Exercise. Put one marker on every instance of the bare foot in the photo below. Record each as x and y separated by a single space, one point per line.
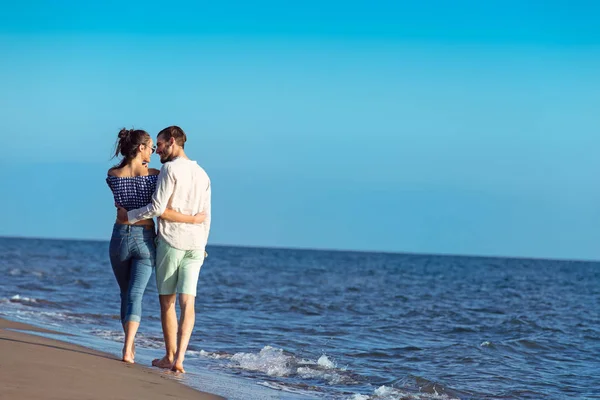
128 356
162 363
178 367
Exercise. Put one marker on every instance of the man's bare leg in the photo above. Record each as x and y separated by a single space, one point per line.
130 328
168 318
186 326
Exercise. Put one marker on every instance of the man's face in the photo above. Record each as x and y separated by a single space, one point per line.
164 148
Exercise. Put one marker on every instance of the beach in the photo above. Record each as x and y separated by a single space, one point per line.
36 367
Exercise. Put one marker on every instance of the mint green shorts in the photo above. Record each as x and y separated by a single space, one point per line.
177 270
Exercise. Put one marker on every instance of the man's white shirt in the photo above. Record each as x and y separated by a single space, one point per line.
184 187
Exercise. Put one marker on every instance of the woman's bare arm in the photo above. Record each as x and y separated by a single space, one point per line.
175 216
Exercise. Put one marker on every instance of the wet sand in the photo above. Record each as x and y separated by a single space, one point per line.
34 367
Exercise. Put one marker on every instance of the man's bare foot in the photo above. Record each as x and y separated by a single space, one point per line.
178 367
162 363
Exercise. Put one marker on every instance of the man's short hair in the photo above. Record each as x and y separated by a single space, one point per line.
174 132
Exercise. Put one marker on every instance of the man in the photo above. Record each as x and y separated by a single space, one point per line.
183 186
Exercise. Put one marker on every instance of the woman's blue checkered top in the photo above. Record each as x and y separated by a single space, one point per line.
132 192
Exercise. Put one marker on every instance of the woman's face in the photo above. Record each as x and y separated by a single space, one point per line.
146 150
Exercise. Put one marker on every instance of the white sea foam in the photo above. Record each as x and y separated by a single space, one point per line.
117 336
270 360
384 391
325 362
331 378
149 342
17 298
274 362
208 354
390 393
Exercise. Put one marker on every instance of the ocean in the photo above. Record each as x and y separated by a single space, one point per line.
311 324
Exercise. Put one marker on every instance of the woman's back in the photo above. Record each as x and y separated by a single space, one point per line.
131 192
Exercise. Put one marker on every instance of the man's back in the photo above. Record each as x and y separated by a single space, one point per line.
190 195
185 187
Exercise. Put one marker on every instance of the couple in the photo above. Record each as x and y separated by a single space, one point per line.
179 194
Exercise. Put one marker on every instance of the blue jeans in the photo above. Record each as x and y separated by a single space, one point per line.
132 256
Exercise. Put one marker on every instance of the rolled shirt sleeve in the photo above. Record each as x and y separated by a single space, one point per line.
160 199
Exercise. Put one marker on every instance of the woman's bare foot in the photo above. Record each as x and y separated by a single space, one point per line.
162 362
178 367
128 356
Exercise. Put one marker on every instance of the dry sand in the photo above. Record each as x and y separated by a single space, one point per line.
34 367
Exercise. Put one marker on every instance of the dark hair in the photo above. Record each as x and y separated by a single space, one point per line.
174 132
128 144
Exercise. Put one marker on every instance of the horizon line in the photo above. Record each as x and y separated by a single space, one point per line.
406 253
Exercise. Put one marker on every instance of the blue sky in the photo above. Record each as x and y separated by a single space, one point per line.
439 127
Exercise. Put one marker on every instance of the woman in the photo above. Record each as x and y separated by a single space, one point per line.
132 250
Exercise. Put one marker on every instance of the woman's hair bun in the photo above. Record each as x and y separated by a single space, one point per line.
124 133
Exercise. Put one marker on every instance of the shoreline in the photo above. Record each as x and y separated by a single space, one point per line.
36 367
